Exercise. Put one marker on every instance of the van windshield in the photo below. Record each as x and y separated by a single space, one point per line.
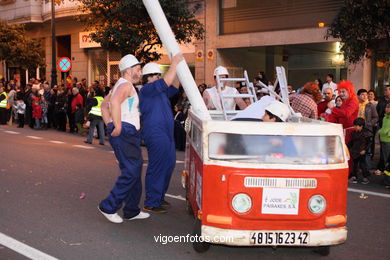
276 149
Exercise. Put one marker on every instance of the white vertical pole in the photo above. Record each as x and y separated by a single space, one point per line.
183 72
26 76
108 68
89 77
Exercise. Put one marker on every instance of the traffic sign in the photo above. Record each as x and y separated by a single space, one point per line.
64 64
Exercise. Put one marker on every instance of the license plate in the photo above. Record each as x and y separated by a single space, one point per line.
279 238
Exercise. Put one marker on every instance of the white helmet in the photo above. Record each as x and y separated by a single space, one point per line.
151 68
278 109
220 70
128 61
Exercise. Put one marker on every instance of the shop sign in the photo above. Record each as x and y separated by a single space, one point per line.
86 41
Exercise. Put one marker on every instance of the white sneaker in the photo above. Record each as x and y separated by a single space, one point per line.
114 218
141 215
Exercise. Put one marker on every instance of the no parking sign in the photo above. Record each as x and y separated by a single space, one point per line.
64 64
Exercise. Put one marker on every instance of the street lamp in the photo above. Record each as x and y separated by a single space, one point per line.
53 47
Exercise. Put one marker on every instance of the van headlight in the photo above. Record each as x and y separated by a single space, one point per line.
241 203
317 204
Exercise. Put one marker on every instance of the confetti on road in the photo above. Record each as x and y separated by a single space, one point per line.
75 244
179 197
70 244
82 195
363 196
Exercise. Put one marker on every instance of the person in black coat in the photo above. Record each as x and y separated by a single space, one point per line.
60 109
179 132
382 102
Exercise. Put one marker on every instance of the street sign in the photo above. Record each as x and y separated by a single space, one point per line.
64 64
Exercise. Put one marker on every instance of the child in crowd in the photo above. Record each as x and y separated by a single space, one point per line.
358 147
45 109
20 108
384 135
338 101
37 112
79 119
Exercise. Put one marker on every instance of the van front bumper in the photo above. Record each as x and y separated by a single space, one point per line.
305 238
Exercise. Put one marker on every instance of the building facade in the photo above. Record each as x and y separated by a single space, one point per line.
259 35
240 34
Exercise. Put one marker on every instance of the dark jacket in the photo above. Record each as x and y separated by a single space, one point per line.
371 116
359 141
61 103
380 108
79 116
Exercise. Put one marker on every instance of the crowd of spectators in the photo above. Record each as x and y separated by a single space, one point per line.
66 107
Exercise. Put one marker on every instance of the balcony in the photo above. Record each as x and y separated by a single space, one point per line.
35 11
66 9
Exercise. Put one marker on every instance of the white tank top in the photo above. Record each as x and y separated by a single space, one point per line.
129 107
230 103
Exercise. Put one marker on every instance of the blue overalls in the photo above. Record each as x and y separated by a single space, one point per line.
128 186
157 133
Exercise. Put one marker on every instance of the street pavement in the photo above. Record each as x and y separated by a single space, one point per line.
51 183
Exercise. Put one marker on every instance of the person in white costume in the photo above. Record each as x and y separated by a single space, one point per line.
212 98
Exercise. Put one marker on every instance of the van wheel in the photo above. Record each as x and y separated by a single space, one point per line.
199 247
323 250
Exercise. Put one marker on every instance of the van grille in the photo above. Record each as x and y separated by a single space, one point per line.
262 182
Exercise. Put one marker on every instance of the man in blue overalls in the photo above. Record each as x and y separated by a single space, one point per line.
121 115
157 131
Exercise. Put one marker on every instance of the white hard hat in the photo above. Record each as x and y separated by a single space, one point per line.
263 90
128 61
278 109
151 68
220 70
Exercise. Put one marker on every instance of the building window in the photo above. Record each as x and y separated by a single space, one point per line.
242 16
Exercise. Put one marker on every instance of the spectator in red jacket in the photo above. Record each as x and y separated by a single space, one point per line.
37 112
328 96
348 111
77 99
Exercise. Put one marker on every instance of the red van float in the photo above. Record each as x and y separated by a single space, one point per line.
266 184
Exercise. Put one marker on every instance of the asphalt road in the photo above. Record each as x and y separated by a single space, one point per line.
44 176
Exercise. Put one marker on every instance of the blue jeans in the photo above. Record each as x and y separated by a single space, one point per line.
37 123
44 119
128 187
96 122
